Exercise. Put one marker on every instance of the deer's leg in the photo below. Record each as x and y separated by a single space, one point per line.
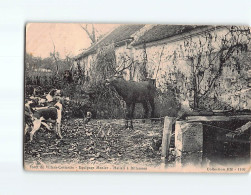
132 115
146 110
132 110
151 101
128 114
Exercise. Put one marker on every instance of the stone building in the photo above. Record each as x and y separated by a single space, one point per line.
206 65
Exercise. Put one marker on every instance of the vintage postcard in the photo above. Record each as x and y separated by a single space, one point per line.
137 98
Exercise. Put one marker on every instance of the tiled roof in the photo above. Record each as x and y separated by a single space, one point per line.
121 33
154 33
159 32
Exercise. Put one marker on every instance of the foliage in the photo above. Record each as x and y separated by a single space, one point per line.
166 103
85 95
106 102
38 64
105 62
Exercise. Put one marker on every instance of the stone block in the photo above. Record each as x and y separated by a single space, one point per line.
188 142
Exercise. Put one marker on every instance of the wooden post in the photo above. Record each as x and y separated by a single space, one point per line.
167 132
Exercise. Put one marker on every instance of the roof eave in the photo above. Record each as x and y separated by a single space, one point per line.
123 42
177 37
85 55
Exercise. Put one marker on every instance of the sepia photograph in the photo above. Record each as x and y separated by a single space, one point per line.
137 98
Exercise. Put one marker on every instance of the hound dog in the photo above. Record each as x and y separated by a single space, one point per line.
52 94
88 117
27 116
38 91
46 100
43 115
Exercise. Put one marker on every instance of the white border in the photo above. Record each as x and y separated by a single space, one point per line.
14 15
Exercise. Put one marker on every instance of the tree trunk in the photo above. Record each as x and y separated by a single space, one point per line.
195 89
196 100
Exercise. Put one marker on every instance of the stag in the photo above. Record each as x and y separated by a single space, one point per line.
134 92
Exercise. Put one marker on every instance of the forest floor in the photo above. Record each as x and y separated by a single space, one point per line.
99 141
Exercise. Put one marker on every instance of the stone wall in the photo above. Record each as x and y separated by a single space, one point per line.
86 64
169 63
173 61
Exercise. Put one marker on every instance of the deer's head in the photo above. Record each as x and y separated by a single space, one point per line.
113 80
118 74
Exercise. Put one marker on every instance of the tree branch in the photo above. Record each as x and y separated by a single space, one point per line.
223 59
92 35
160 56
54 56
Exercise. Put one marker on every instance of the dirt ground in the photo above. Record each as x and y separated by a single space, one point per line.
99 141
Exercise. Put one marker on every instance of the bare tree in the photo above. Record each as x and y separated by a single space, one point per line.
90 32
55 56
160 57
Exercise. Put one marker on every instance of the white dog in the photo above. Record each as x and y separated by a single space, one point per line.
43 115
